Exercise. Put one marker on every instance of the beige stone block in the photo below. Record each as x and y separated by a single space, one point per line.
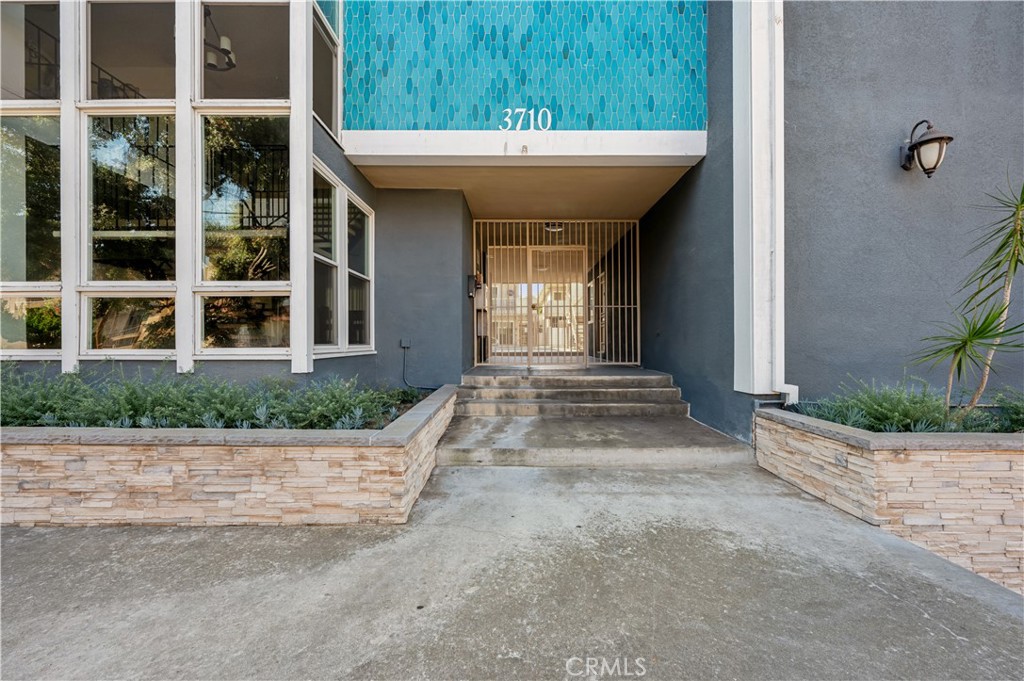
330 518
26 501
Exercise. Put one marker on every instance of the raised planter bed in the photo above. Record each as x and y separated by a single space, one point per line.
960 495
200 476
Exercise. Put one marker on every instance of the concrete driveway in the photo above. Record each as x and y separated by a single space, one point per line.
513 573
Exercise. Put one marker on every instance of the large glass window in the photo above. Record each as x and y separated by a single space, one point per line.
246 322
29 50
325 262
342 268
29 323
358 238
245 198
131 50
325 76
131 323
30 198
245 51
132 198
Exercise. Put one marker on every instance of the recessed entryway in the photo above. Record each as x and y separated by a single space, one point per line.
556 293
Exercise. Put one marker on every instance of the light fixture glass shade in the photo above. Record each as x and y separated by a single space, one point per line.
929 155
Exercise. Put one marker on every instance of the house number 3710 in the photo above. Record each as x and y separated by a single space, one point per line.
526 119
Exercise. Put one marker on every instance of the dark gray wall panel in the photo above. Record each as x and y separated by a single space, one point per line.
686 262
328 151
467 268
873 253
422 263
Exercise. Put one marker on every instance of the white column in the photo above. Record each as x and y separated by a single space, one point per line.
300 209
186 237
759 200
71 13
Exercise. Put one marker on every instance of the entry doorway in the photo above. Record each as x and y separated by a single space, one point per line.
556 293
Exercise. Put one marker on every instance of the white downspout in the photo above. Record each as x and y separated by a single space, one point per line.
789 392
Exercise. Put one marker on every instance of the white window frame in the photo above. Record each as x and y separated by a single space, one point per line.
43 290
369 276
201 288
344 195
85 325
85 109
321 25
74 109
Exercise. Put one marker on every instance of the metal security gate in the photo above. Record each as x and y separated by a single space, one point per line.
559 293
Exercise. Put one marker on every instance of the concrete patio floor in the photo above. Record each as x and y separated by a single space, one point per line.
510 573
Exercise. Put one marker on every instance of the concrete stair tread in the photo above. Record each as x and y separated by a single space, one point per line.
563 408
630 441
546 379
586 394
549 401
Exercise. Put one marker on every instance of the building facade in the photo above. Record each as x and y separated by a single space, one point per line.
400 191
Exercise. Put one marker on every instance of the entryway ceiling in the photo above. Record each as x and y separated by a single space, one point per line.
539 192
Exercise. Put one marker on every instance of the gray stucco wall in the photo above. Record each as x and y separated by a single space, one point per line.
686 279
874 253
423 245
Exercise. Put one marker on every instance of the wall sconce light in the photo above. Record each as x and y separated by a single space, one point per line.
215 52
927 151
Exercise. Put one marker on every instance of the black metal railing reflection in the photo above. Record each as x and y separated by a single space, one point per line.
140 193
106 85
257 178
42 70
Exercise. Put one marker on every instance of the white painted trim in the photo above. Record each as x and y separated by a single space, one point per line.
70 197
30 355
524 148
758 200
127 107
331 353
30 289
300 204
29 107
242 107
186 17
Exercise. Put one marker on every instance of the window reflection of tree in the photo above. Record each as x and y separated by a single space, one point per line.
245 199
133 198
135 323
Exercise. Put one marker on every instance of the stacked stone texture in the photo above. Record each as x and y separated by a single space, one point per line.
965 504
200 484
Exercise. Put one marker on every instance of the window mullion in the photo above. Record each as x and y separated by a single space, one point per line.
70 197
342 222
300 84
186 21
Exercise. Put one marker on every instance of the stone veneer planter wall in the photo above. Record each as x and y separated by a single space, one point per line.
114 476
960 495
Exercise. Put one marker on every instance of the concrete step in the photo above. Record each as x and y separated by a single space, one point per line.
581 394
568 380
669 442
476 407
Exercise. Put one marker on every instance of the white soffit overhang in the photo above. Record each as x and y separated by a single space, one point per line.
575 148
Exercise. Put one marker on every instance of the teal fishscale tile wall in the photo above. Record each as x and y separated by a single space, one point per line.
459 64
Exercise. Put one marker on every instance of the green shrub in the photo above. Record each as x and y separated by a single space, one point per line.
1011 411
32 398
910 406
